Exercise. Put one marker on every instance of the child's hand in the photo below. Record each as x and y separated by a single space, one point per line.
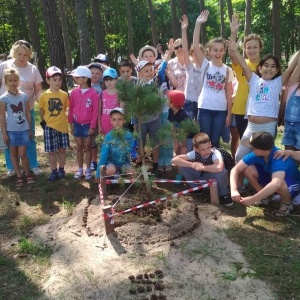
235 23
202 17
171 45
184 22
134 60
232 45
92 131
5 138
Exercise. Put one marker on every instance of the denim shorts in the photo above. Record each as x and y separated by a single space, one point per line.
18 138
81 130
291 136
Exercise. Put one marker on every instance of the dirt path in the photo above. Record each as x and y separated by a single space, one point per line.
196 266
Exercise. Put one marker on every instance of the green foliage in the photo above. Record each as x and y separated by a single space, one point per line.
34 248
68 206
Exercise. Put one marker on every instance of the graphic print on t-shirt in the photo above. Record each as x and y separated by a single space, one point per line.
262 93
55 106
18 112
215 81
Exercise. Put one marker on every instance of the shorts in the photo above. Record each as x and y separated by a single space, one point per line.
291 136
18 138
120 169
55 140
151 128
292 183
81 130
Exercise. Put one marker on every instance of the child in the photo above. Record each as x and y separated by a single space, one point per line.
16 130
83 114
146 53
109 100
117 146
53 104
176 101
125 69
204 163
97 73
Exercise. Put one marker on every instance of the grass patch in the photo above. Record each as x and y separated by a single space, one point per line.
38 250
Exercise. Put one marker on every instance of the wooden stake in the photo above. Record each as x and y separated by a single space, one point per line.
214 195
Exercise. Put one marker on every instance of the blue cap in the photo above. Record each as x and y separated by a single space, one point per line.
110 72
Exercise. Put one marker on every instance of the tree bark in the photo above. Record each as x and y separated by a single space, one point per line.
276 27
35 38
22 20
221 5
152 21
54 36
174 19
248 17
183 7
84 33
129 28
230 9
203 37
98 29
64 26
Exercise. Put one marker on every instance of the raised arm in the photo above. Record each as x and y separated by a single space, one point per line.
199 54
292 73
233 46
234 28
184 25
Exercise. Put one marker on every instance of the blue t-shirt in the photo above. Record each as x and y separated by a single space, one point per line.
116 150
274 165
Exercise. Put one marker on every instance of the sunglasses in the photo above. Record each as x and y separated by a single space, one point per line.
21 42
178 47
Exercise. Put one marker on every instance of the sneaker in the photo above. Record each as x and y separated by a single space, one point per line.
11 172
78 175
161 169
168 169
36 171
88 175
92 167
226 200
276 198
155 172
61 174
242 189
53 176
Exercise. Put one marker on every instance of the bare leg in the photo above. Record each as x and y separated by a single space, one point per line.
24 158
79 142
235 139
62 157
15 160
252 175
52 160
88 151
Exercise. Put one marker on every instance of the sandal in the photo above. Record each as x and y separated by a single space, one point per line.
284 210
30 180
263 202
19 182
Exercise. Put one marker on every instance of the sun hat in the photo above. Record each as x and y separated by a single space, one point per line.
142 64
52 71
117 109
177 98
259 140
110 72
82 71
145 48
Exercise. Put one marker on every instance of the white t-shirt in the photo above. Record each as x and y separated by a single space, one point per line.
179 72
217 155
213 95
194 77
29 76
263 100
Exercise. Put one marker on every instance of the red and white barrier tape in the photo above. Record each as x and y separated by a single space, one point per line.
114 213
101 194
116 181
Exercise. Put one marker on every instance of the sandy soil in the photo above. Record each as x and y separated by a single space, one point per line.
87 264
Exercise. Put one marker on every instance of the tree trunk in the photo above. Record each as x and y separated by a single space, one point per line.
152 20
35 38
129 28
54 36
221 5
276 27
98 28
22 20
248 17
183 5
64 26
174 19
203 38
230 9
84 33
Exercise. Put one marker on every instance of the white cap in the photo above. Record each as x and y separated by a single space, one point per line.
82 71
117 109
53 70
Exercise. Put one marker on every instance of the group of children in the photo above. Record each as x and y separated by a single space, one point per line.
208 94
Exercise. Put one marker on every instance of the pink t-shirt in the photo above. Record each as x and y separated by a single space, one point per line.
109 102
29 76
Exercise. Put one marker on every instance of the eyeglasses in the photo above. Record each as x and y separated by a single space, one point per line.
21 42
178 47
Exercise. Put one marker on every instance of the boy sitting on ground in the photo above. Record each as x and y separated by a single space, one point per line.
204 163
116 148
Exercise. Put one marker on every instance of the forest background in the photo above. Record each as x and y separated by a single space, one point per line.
68 33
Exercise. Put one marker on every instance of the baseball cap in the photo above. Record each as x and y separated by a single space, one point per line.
110 72
102 58
95 65
177 98
259 140
145 48
157 63
82 71
52 71
117 109
142 64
